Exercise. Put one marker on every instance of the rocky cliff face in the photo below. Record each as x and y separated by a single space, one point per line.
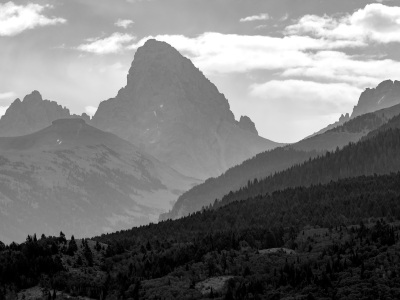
247 124
172 111
32 114
386 94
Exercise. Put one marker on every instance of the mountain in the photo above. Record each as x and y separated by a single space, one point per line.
169 109
73 177
350 132
259 166
378 153
32 114
385 95
267 163
343 119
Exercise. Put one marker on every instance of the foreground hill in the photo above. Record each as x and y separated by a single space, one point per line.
76 178
279 159
298 243
172 111
32 114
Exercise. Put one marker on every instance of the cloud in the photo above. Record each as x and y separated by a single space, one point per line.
113 44
313 49
301 107
261 26
374 23
336 66
3 110
7 95
14 19
284 17
90 110
226 53
307 97
124 23
259 17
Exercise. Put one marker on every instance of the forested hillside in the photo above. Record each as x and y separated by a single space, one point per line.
222 253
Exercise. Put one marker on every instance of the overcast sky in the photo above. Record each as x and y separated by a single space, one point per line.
293 66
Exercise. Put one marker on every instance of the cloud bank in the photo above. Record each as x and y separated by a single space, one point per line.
376 22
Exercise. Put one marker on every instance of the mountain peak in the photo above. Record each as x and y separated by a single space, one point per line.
385 95
172 111
154 45
35 96
247 124
32 114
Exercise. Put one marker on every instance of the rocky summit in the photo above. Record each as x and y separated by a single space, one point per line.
32 114
171 110
385 95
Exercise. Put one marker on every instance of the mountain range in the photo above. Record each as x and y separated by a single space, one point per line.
174 118
167 130
32 114
317 219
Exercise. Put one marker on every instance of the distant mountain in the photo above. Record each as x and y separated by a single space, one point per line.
349 132
343 119
32 114
73 177
385 95
172 111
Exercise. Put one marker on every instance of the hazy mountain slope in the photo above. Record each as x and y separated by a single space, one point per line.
343 119
260 166
393 123
265 164
351 131
379 154
32 114
76 178
172 111
385 95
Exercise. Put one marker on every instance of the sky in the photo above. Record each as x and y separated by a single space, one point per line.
292 66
